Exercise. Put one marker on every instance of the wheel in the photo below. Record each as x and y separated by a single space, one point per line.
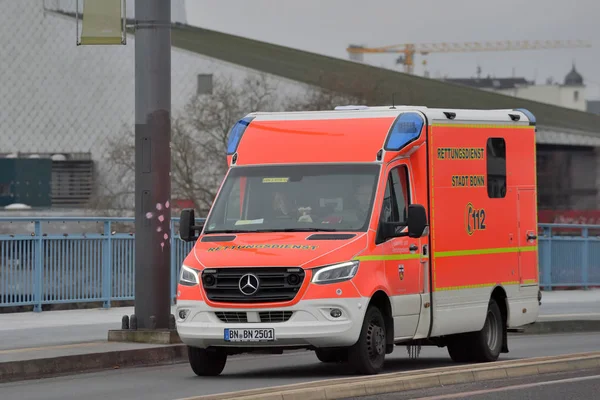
367 355
482 346
487 343
332 355
207 362
459 349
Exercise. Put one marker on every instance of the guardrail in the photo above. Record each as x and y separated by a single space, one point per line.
77 260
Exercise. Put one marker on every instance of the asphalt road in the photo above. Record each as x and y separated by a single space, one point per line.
579 385
248 372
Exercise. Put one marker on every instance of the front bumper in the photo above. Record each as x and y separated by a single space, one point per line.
310 324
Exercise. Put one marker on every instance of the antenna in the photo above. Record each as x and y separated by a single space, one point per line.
393 107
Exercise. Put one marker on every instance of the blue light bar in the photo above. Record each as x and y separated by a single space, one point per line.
406 128
528 114
235 135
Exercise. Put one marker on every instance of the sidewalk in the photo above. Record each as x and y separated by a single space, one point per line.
36 344
48 328
570 304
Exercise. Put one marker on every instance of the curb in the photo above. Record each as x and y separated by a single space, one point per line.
11 371
144 336
567 326
411 380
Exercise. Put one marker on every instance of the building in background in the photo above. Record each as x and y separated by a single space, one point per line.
63 104
569 93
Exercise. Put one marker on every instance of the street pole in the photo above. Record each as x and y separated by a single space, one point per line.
152 163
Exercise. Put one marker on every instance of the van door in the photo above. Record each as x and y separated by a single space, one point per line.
402 256
527 231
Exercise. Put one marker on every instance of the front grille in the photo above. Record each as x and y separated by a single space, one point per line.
275 284
274 316
232 316
264 316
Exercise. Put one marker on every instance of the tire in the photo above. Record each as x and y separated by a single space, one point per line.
482 346
332 355
459 349
207 362
487 343
367 355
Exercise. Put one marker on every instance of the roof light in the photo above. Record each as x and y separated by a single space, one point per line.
528 114
352 108
405 129
235 135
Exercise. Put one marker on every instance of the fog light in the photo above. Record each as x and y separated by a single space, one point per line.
183 314
336 313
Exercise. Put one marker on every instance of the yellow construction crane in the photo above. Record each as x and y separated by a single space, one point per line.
408 51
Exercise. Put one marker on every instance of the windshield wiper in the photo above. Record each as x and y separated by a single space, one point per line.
242 231
309 230
223 231
273 230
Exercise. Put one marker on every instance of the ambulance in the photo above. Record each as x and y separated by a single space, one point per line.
350 231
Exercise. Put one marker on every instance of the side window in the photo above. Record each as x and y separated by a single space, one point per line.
397 196
496 168
387 209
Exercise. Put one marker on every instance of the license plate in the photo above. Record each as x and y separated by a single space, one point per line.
250 335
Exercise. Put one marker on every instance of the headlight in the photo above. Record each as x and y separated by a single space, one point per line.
335 273
188 276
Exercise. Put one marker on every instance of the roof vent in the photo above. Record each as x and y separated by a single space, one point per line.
450 115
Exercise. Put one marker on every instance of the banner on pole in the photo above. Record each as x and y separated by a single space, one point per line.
103 22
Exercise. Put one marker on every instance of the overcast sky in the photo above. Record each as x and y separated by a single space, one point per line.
328 26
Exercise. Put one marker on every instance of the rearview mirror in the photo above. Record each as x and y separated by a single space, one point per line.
417 220
187 227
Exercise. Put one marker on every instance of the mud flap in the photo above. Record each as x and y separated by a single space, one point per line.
504 339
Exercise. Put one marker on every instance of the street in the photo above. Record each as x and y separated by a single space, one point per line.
248 372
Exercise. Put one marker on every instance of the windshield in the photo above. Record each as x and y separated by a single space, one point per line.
295 198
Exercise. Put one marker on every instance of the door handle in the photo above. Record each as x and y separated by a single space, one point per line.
531 236
413 247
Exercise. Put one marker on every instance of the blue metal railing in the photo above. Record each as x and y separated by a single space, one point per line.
91 262
569 256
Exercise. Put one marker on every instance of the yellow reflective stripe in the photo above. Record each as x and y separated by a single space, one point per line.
477 286
389 257
496 126
476 252
454 253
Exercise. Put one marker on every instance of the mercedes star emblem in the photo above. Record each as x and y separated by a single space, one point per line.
248 284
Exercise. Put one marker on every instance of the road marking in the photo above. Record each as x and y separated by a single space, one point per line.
63 346
507 388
